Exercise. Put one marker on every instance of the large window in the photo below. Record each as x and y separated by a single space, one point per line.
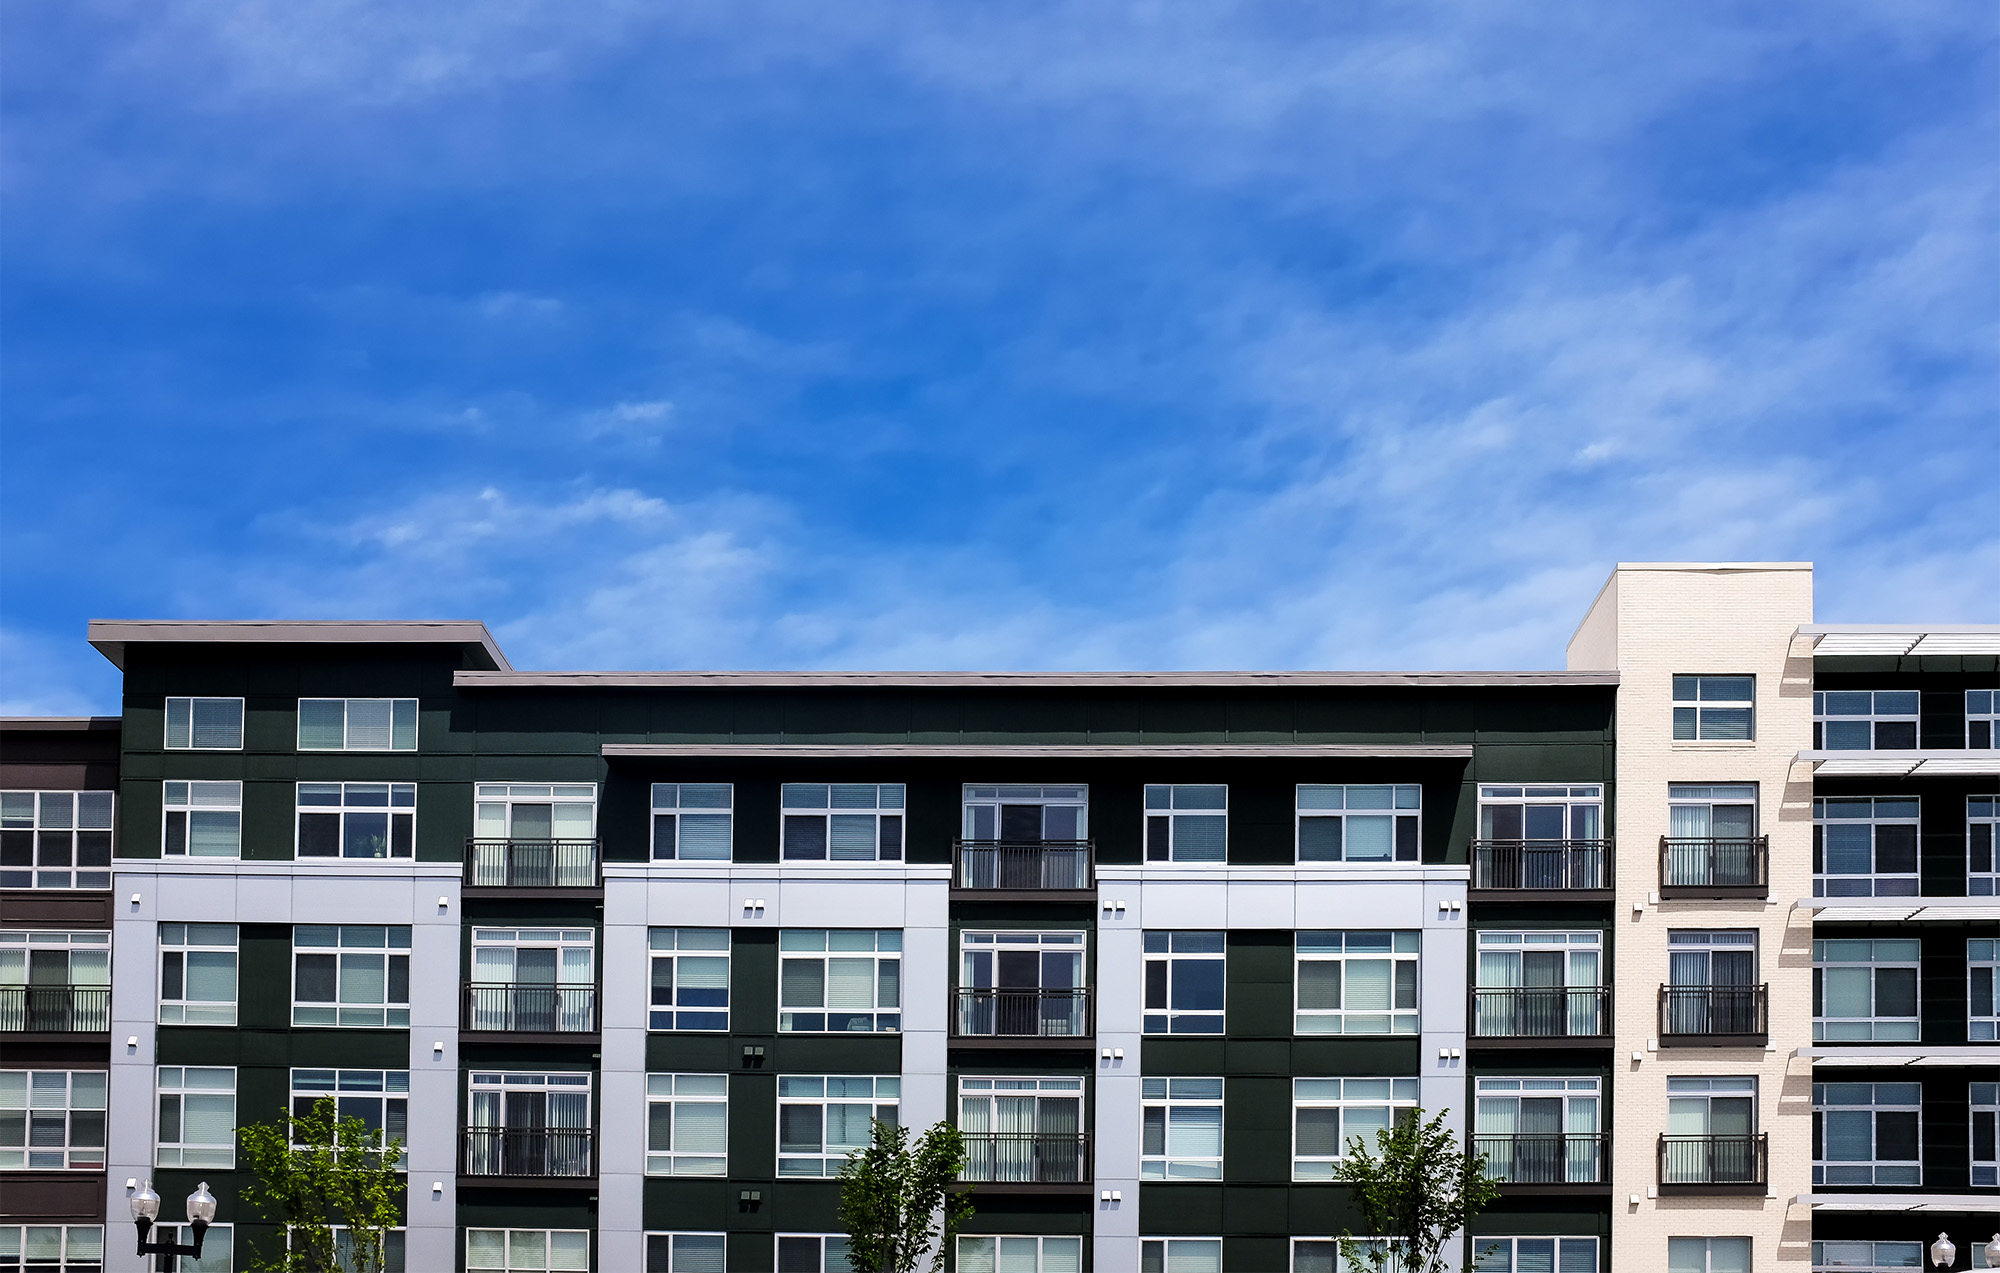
201 819
1186 823
1982 840
357 724
1719 708
541 980
1712 985
685 1253
353 975
843 822
1865 847
204 724
1863 1256
55 982
529 1124
819 1253
1540 1130
1184 982
1982 978
1711 836
824 1118
1534 1255
1985 1103
1864 720
687 1124
51 1120
1540 838
52 1248
1359 824
531 1251
840 980
1027 814
535 811
691 821
218 1249
379 1098
1327 1114
690 979
357 819
1180 1129
1708 1255
197 1125
1019 1255
1180 1255
1322 1255
1982 719
1540 984
1357 983
1711 1131
1024 1130
1867 1133
1022 984
1865 991
55 839
197 974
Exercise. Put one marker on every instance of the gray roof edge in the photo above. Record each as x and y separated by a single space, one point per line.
111 636
1015 680
57 724
1829 629
1051 751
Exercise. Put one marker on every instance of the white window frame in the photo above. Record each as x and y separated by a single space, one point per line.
1984 1102
576 1242
78 1248
1403 949
1982 846
18 948
1840 953
980 1253
1048 1092
1160 953
1881 811
1501 1254
386 1092
981 808
34 824
387 1013
674 1092
857 814
885 950
1982 719
185 940
395 1253
172 1084
404 724
1382 1096
671 811
42 1097
1582 1100
1398 805
1708 1264
1165 815
220 803
218 1246
666 947
884 1095
185 726
1158 1255
1982 987
820 1243
1837 713
493 807
1701 715
1309 1246
343 801
697 1244
1877 1099
1161 1099
973 942
1862 1255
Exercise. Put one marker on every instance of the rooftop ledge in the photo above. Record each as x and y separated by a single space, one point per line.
1885 1055
1898 1201
1900 909
1899 639
1901 764
1020 680
1049 751
111 636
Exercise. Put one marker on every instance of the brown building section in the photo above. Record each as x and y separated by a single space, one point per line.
59 753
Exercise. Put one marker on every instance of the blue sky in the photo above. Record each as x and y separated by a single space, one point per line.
1022 334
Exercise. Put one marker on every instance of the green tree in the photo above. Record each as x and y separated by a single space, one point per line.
896 1198
317 1170
1419 1189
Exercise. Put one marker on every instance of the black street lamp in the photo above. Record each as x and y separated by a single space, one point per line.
146 1209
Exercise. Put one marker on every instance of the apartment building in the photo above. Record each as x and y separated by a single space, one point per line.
630 960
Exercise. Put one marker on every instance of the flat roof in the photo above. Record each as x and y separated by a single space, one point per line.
1898 639
1017 680
60 724
111 636
1041 751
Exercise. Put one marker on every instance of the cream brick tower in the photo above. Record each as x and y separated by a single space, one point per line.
1693 1174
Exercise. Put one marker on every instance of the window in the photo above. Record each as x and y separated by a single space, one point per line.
1540 838
1711 1131
55 982
1180 1129
55 839
379 1098
1184 983
529 1250
1711 836
205 724
202 819
1540 984
1027 814
1027 1130
355 975
816 1253
1357 983
218 1247
1861 1256
1708 1255
683 1253
1180 1255
1019 1255
823 1119
535 811
691 821
1982 719
1864 847
1865 991
1863 720
1714 707
197 1117
357 819
1712 982
1539 1130
1982 975
1867 1133
197 974
1187 823
529 1125
540 980
1322 1255
687 1124
1329 1113
1982 837
1534 1255
690 982
52 1248
843 822
1016 984
52 1119
357 724
1985 1116
1358 824
393 1249
840 980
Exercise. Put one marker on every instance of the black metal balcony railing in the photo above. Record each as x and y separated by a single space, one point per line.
1714 1012
1039 1158
1715 1160
1554 865
1025 865
537 1008
529 1151
1541 1012
55 1009
533 864
1705 864
1023 1014
1543 1158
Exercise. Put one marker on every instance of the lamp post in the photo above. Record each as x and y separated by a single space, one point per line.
1943 1253
146 1209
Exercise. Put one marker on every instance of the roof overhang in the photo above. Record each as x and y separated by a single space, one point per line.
1025 680
1899 639
1880 1057
1940 1202
1052 751
1901 764
1901 909
111 636
60 724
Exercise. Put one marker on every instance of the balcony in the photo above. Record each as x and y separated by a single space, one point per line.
1032 1018
1531 1016
1547 869
1714 1016
1543 1159
541 1154
55 1009
515 1008
504 868
1715 1164
1024 870
1032 1162
1707 866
